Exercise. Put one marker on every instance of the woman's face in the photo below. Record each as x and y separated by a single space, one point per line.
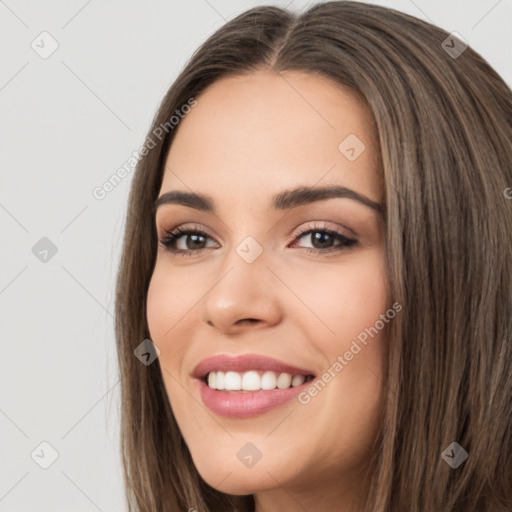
274 290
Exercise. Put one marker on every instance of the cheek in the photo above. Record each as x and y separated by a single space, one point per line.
167 304
170 296
157 306
364 296
348 298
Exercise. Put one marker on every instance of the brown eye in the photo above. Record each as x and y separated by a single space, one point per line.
323 240
193 239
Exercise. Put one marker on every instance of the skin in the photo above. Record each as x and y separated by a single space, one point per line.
247 139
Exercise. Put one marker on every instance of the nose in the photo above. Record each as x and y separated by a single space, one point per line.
243 296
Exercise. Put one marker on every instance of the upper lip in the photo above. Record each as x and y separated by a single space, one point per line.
245 362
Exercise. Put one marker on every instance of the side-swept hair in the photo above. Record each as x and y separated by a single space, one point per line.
444 126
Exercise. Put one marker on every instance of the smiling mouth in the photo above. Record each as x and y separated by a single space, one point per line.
253 380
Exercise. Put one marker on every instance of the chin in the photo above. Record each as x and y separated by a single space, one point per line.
234 478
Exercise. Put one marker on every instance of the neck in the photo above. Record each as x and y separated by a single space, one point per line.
334 496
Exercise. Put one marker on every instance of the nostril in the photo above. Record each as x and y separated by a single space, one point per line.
249 320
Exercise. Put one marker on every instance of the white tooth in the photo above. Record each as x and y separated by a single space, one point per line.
251 381
298 380
211 380
232 381
219 380
284 380
268 380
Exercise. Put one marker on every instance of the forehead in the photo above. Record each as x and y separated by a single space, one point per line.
264 132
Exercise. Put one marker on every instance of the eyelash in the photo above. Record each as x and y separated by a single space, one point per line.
173 235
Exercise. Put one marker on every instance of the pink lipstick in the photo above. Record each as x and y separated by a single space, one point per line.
248 385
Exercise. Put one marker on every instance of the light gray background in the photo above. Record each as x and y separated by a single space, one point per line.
67 124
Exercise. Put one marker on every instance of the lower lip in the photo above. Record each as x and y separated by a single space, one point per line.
238 404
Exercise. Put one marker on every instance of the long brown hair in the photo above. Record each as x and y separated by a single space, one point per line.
444 124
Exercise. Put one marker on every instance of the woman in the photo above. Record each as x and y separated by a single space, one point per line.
316 273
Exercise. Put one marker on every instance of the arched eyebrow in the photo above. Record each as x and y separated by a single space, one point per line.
286 200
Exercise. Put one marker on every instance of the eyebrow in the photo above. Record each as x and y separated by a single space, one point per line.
285 200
